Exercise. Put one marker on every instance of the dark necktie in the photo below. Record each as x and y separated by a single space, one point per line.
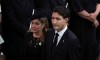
54 44
55 39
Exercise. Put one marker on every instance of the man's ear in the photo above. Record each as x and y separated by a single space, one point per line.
67 19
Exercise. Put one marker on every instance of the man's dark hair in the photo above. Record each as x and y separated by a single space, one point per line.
63 11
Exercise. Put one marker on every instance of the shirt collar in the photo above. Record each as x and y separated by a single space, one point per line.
62 31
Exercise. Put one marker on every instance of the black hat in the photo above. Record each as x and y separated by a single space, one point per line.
37 15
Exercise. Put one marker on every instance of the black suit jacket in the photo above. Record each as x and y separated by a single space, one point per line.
67 49
16 16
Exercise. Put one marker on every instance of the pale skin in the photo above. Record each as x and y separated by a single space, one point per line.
95 14
58 21
36 28
91 16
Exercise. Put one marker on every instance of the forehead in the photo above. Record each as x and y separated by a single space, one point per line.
55 14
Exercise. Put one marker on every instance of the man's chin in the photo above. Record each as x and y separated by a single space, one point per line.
56 28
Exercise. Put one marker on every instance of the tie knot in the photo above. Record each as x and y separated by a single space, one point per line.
57 34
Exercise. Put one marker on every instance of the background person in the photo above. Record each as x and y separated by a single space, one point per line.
83 23
16 16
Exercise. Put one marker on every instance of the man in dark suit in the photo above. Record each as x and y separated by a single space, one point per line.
15 21
66 46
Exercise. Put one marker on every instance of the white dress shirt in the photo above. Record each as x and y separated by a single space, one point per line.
61 33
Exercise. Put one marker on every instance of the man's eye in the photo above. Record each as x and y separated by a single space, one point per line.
58 19
52 18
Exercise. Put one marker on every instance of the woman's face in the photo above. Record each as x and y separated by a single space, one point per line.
36 26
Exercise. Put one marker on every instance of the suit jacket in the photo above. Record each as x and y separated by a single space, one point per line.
16 16
67 49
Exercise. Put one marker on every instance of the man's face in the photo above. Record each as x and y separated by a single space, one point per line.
58 21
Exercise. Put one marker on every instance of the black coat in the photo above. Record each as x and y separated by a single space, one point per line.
83 28
67 49
16 16
31 48
55 3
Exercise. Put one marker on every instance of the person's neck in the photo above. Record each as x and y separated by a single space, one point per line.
38 35
62 28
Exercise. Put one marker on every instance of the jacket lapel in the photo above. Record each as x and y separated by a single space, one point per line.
50 41
62 40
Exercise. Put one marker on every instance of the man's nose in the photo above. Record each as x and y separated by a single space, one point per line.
54 21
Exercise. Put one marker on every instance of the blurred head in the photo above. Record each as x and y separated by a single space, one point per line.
60 17
38 24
